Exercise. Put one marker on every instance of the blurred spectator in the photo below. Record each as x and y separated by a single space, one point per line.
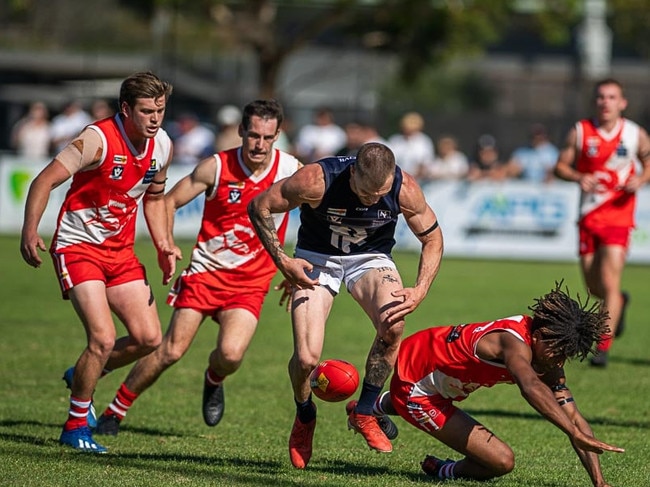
359 132
353 139
450 163
68 124
535 162
101 109
321 138
193 141
487 165
413 149
228 120
30 136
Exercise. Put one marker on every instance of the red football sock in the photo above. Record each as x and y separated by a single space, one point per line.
121 403
605 343
77 414
212 378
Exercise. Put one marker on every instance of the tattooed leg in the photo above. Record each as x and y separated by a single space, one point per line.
380 362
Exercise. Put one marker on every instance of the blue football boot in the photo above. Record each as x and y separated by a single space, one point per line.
81 439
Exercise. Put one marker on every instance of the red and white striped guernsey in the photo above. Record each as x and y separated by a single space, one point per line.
101 206
612 158
227 242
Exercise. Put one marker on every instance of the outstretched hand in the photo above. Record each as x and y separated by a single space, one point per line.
589 443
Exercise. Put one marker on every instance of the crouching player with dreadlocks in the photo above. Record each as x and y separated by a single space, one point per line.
441 365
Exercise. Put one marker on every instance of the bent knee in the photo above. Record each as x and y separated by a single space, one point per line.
504 463
148 341
392 335
101 346
168 353
232 358
307 361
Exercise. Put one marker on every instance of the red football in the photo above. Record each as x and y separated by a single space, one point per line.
334 380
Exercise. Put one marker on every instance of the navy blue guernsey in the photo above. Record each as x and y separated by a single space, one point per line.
341 224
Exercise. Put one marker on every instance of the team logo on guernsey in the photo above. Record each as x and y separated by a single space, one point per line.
117 172
592 146
385 214
119 159
234 196
334 219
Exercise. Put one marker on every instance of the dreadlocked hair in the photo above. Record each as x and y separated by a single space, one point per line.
570 328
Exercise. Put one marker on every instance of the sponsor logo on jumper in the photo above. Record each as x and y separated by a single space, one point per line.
148 177
119 159
621 150
361 208
236 184
337 211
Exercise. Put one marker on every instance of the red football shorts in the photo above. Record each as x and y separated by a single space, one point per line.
195 292
591 239
428 413
88 263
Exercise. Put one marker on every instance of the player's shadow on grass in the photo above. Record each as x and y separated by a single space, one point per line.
592 420
641 362
257 471
28 439
236 469
240 470
11 423
338 467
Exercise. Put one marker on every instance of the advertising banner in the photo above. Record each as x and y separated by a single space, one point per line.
509 220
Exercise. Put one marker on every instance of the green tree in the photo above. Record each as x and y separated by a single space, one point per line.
629 20
423 33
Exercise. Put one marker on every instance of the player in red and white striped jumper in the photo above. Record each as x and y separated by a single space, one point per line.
440 366
116 164
602 155
229 273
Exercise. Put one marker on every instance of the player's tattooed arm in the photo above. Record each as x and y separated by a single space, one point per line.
264 225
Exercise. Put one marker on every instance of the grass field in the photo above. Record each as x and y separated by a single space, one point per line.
163 440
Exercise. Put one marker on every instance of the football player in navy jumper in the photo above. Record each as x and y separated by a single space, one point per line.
348 213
